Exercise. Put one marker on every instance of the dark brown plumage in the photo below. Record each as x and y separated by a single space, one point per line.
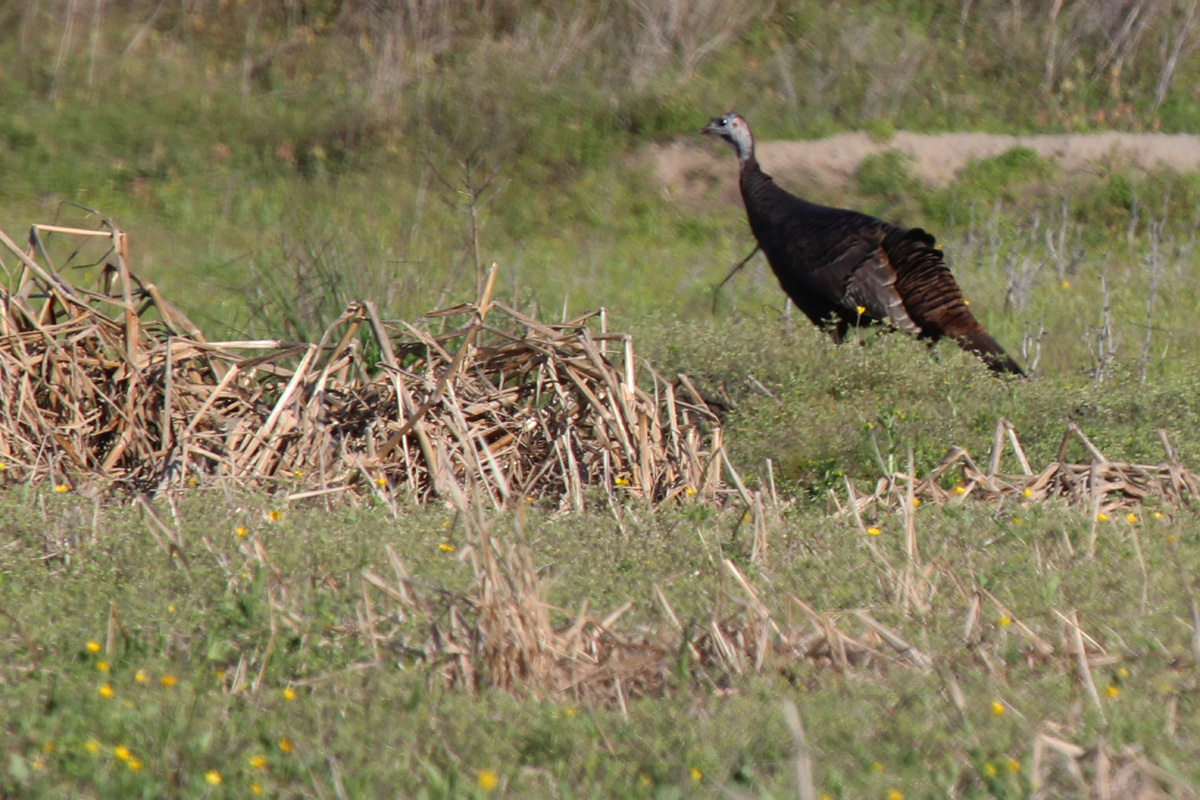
832 261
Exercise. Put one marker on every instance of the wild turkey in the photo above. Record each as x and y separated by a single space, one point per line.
852 267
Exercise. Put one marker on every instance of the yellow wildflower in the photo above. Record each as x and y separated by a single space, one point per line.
62 487
242 531
689 491
48 747
966 302
998 708
171 609
1066 284
121 753
1122 673
106 691
873 531
960 490
988 769
1013 765
1131 518
92 746
861 310
896 794
695 774
619 481
1004 621
1027 492
102 666
140 676
1112 691
274 515
299 473
916 502
167 681
256 788
258 762
37 764
487 780
213 777
3 466
134 765
569 712
1157 515
446 548
93 647
381 482
289 694
285 744
1102 517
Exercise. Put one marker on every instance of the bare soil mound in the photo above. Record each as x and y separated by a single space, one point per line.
691 169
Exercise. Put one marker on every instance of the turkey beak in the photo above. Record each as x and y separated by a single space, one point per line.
710 128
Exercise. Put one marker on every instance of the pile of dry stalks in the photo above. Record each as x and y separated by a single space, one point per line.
114 387
1100 487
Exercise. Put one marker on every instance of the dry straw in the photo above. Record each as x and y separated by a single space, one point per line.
1101 487
113 386
501 632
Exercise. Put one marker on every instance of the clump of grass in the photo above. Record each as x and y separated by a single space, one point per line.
888 184
1003 176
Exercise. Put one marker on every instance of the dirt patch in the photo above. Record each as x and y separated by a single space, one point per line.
690 170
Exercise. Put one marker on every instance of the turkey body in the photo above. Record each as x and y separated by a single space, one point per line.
851 268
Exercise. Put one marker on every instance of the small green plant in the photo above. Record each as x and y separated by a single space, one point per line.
881 131
1003 176
887 174
888 185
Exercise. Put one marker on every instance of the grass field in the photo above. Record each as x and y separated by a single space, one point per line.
199 679
272 162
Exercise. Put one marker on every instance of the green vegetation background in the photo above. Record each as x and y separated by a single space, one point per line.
274 160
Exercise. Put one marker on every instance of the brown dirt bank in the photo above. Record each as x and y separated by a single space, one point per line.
688 170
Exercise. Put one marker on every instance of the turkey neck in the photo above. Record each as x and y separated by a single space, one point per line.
771 210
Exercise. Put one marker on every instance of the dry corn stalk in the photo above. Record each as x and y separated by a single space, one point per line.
112 385
1100 487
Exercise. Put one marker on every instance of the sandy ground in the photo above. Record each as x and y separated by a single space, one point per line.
689 170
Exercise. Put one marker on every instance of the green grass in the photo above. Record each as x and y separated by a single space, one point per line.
392 728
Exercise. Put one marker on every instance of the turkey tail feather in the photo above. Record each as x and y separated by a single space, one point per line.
982 344
936 303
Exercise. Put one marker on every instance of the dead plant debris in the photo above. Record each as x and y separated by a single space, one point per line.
1101 487
114 387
